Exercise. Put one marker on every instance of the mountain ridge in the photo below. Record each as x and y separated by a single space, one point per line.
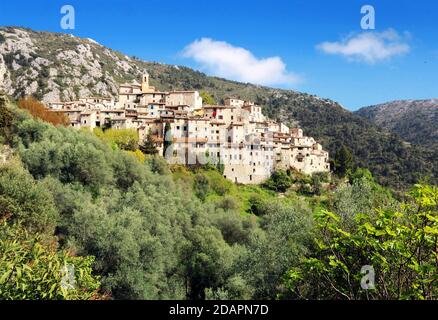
55 66
413 120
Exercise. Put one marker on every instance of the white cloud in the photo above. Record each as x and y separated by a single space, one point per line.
225 60
370 47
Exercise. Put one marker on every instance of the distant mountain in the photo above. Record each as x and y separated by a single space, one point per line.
415 121
52 66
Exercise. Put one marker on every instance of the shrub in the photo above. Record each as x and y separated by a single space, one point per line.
39 111
124 139
201 186
30 270
207 99
399 244
279 181
22 198
6 122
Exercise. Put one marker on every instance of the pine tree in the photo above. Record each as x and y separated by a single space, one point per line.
343 161
148 146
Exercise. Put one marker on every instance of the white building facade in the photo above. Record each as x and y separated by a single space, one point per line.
237 134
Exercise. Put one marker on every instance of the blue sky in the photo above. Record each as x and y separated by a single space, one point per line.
306 45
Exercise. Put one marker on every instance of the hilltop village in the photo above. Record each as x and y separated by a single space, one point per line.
237 135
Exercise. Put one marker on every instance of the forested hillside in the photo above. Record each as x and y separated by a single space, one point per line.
53 66
131 227
415 121
153 234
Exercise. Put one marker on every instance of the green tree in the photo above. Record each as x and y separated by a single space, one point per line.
208 260
316 184
207 99
201 186
279 181
282 242
360 194
343 162
124 139
6 121
400 245
22 198
31 270
148 146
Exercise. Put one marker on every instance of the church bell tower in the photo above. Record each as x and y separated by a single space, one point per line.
145 82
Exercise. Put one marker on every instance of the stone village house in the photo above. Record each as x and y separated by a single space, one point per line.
236 134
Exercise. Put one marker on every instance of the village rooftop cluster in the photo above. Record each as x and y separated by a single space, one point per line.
237 135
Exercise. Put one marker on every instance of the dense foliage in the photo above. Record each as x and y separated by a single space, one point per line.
39 110
125 139
207 98
150 235
413 120
400 244
391 160
148 146
32 270
136 228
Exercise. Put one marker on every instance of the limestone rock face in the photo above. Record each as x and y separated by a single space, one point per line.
56 67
